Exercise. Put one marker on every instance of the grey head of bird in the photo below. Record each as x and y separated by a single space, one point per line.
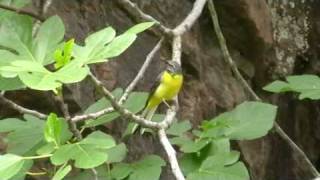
173 67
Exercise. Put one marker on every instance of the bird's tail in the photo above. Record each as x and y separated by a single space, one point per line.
148 114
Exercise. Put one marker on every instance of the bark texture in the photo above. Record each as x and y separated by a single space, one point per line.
268 39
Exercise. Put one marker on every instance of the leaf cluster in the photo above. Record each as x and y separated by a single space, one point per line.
207 151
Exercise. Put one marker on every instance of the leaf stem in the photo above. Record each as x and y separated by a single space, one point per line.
36 173
37 157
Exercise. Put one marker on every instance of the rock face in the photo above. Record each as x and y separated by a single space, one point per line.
268 39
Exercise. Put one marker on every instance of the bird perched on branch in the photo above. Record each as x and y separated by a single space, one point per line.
166 87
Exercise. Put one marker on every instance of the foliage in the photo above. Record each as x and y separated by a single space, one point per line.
208 155
43 60
148 168
307 85
71 60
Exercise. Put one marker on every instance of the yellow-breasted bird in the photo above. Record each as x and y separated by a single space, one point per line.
165 88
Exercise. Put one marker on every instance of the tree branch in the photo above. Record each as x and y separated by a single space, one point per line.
128 90
65 110
133 8
171 153
45 4
22 12
194 14
21 109
123 112
141 72
238 75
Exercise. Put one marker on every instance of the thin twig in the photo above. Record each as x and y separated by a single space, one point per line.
123 112
128 90
22 12
238 75
171 153
95 174
133 8
176 49
43 10
95 115
128 114
141 72
46 6
194 14
72 126
65 110
21 109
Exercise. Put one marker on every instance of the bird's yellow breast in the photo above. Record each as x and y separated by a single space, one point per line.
169 87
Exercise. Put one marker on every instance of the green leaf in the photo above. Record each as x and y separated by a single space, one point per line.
179 128
121 171
181 140
10 84
16 3
39 81
22 173
11 124
102 171
190 162
47 80
215 128
88 153
50 34
10 165
235 172
221 166
140 27
220 160
71 73
277 86
96 41
63 56
134 103
32 55
131 128
148 168
63 137
16 39
46 149
52 129
103 103
100 38
307 85
220 145
23 136
249 120
94 44
6 15
115 48
117 153
62 172
194 146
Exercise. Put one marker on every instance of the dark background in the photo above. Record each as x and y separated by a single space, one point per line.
268 39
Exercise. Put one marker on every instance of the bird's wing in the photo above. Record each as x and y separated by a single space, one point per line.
153 88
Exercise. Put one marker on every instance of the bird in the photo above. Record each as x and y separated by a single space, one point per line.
165 88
